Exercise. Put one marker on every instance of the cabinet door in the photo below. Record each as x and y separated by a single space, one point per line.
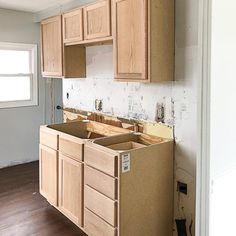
97 20
48 159
130 39
73 26
70 189
51 39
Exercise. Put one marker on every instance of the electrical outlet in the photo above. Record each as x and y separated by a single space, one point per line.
182 188
160 112
98 105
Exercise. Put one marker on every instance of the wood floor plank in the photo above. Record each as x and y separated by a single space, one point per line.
23 211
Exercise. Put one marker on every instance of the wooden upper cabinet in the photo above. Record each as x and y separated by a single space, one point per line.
73 26
130 39
52 52
59 60
97 20
143 32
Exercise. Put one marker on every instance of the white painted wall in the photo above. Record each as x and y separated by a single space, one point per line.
19 127
135 100
223 113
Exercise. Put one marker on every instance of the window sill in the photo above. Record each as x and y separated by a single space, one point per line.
17 104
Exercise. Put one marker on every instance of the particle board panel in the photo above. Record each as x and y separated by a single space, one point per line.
161 40
77 129
146 192
74 61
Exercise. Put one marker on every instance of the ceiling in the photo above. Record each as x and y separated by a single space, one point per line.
31 5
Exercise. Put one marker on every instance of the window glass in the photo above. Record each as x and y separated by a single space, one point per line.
14 62
14 88
18 75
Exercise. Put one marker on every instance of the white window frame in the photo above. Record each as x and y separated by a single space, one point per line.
32 48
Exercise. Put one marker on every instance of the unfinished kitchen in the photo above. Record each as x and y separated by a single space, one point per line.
105 110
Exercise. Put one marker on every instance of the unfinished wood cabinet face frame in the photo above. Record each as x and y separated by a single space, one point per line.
100 205
73 26
59 61
130 21
106 212
94 225
52 51
71 189
143 33
143 40
151 164
101 182
97 20
71 146
48 174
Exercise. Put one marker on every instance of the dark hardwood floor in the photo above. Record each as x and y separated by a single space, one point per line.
23 211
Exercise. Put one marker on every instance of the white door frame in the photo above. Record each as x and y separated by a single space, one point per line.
203 157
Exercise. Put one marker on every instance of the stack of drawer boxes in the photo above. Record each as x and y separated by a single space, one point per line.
128 186
100 191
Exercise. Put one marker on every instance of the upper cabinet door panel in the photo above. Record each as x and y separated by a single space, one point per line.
51 30
97 20
73 26
130 39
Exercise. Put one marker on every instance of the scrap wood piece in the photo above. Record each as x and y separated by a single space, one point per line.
150 128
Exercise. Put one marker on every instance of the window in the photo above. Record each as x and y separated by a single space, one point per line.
18 75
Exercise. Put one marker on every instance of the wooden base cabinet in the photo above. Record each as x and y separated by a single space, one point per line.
143 204
70 188
121 185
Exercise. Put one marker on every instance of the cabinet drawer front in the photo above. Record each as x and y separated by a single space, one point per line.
100 160
100 181
95 226
71 147
101 205
49 139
